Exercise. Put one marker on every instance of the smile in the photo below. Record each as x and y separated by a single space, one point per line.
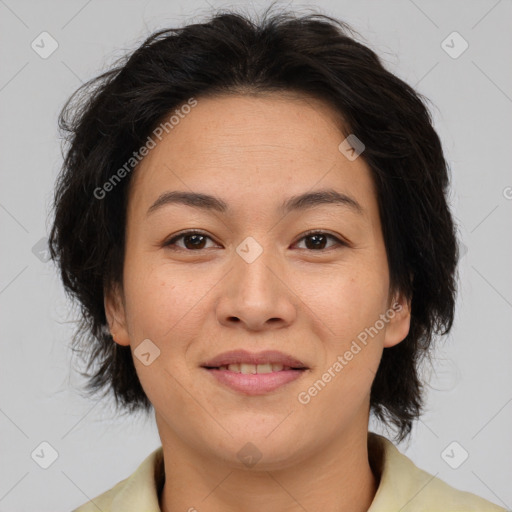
248 368
250 379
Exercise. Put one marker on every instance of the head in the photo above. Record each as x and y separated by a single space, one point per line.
255 115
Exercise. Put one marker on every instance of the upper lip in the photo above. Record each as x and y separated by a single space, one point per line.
242 356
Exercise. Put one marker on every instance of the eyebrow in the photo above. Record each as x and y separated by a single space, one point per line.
298 202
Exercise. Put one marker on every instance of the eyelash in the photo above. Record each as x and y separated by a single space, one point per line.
170 243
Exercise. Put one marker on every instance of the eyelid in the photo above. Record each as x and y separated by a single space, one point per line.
340 241
182 234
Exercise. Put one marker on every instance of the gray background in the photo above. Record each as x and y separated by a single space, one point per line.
470 395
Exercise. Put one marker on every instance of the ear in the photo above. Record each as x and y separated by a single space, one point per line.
116 315
399 320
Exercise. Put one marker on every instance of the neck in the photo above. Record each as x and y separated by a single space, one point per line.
338 477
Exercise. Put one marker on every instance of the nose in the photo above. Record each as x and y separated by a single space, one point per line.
256 296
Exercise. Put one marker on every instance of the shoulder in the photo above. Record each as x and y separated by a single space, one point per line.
139 491
404 486
103 501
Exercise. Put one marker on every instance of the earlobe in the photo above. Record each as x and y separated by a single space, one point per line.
399 321
116 317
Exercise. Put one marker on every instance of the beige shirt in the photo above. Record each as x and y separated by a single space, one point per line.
403 487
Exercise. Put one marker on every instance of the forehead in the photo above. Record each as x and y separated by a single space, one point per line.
247 147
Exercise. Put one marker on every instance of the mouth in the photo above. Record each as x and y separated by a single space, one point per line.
266 360
254 374
252 369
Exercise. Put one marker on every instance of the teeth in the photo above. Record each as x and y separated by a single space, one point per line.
246 368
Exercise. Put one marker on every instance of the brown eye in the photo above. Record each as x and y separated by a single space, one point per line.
317 241
192 240
195 240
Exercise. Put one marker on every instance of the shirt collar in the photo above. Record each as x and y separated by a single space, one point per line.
401 484
141 491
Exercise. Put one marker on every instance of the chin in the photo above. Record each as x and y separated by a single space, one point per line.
257 449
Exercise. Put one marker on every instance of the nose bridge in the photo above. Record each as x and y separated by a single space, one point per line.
255 292
255 267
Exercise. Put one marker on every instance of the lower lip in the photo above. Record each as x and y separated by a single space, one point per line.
256 383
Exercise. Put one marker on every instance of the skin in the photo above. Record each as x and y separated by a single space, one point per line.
254 152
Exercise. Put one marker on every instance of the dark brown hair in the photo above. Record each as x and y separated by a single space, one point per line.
112 115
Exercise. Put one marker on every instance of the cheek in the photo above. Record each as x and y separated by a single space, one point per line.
353 349
162 305
346 301
159 300
168 305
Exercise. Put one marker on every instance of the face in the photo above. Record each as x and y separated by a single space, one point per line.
310 281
